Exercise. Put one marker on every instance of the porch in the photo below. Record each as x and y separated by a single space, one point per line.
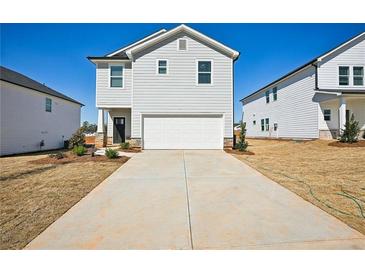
336 109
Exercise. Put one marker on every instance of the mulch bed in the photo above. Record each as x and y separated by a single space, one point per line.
72 158
237 152
340 144
132 149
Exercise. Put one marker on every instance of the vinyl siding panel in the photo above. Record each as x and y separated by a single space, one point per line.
353 54
24 121
295 112
112 97
177 92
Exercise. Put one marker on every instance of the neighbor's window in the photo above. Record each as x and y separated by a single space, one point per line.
204 72
275 126
48 105
327 114
116 76
254 122
343 74
358 76
267 94
267 124
262 124
162 66
182 44
275 93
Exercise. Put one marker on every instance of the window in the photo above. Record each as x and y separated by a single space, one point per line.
267 124
182 44
254 122
204 72
327 114
262 124
162 66
116 76
358 73
267 94
275 93
275 126
343 74
48 105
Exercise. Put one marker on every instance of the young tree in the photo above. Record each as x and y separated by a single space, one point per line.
242 143
351 131
88 128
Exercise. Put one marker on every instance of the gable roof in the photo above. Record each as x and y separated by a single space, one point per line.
126 53
310 63
16 78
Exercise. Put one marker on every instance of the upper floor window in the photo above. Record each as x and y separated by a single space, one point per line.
275 93
343 75
327 114
182 44
204 72
48 105
267 94
162 66
358 73
116 76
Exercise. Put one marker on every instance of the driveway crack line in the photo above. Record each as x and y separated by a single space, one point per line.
188 203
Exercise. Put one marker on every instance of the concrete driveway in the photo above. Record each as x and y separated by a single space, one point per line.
194 200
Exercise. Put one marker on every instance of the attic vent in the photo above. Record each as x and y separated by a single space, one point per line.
182 44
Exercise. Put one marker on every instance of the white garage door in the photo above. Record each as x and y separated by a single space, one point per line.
183 132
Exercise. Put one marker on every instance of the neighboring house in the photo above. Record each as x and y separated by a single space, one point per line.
170 90
32 114
313 101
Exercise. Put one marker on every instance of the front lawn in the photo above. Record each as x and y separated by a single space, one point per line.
36 190
331 177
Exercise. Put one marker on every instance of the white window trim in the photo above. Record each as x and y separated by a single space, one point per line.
267 95
110 76
351 75
50 100
330 115
197 72
178 42
267 125
273 98
167 67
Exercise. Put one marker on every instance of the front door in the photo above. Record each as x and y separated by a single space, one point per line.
119 130
347 115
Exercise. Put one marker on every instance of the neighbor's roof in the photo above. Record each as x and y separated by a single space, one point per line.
128 51
16 78
311 62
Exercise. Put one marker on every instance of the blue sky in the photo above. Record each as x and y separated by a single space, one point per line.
55 54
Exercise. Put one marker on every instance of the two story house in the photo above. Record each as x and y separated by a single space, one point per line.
170 90
313 101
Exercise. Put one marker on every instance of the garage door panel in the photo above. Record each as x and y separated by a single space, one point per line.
183 132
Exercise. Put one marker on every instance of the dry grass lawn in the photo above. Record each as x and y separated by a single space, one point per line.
332 178
33 196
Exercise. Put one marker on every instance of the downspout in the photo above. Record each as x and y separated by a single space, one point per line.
316 76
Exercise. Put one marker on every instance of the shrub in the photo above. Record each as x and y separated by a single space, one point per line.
111 153
124 145
88 128
59 155
242 143
351 131
77 139
79 150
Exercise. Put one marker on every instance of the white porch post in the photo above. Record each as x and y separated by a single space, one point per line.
342 114
100 140
100 120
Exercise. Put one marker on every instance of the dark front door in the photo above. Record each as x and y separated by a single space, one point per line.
347 115
119 130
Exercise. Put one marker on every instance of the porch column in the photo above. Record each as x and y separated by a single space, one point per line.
100 138
342 114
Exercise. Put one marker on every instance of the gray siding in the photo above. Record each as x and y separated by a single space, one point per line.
353 54
295 112
113 97
177 92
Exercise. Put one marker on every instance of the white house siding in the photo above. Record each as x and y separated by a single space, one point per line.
113 97
295 111
24 121
178 92
333 105
126 113
357 107
353 54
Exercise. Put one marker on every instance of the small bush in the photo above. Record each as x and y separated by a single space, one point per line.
351 131
124 145
111 153
77 139
79 150
59 155
242 143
